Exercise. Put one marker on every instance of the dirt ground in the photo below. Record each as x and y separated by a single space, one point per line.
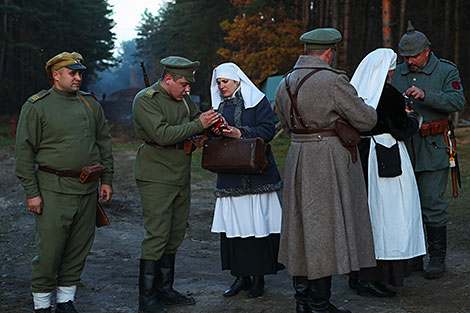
109 281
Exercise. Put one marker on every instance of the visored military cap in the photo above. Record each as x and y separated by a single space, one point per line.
321 38
180 66
412 42
72 61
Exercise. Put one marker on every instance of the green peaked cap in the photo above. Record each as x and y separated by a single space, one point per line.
181 66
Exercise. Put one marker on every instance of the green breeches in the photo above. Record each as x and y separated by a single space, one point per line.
165 209
64 236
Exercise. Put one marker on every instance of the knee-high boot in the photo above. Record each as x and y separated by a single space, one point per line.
164 283
301 296
437 247
148 302
320 293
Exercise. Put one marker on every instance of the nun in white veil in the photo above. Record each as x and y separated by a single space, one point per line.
247 210
394 203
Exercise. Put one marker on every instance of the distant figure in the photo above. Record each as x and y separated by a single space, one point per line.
394 206
434 88
247 210
62 130
103 97
326 226
165 117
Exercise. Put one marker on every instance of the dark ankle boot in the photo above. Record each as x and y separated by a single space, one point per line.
301 296
257 287
240 283
415 264
66 307
365 288
437 246
48 310
164 283
320 292
148 302
353 277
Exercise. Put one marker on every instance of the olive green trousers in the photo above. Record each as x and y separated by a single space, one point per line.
64 236
432 185
165 209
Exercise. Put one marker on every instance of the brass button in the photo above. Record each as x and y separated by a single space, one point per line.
414 79
319 136
411 102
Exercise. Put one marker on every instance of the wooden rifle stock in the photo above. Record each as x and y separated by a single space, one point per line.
144 72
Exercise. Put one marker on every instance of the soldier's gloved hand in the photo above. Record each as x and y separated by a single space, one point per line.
35 205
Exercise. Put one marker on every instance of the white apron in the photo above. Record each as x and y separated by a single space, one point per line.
394 207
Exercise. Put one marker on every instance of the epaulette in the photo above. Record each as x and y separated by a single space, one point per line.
84 93
448 62
150 92
39 95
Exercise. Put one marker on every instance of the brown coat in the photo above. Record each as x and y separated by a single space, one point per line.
326 227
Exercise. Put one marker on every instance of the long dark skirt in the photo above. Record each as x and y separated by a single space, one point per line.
250 256
386 272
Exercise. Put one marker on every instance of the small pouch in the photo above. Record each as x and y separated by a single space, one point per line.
388 160
101 217
91 173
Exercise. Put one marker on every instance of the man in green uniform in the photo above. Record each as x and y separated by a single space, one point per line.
434 90
61 130
165 117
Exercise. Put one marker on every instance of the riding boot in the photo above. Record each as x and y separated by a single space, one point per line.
415 264
320 292
148 302
437 246
301 296
165 280
240 283
257 287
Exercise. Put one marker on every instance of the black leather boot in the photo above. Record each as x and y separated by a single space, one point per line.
365 288
164 283
66 307
437 246
48 310
240 283
415 264
148 302
301 296
320 293
257 287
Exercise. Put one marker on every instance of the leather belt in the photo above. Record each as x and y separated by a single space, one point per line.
74 174
179 145
320 132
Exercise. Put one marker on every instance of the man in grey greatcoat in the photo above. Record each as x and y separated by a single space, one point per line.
326 227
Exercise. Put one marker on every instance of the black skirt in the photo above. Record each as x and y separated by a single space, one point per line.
250 256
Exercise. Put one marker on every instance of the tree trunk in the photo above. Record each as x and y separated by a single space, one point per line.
455 116
386 27
4 45
347 11
403 21
447 30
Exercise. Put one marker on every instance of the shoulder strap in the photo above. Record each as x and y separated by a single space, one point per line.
87 105
293 98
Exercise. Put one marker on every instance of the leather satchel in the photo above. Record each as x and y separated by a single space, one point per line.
91 173
349 137
101 217
236 156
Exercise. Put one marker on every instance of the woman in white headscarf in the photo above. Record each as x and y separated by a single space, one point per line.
247 210
393 197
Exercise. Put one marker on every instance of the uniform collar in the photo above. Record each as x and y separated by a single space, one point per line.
309 61
428 69
63 93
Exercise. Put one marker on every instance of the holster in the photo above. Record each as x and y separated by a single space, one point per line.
91 173
434 127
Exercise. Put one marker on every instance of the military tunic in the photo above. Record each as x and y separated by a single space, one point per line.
440 81
58 131
326 226
163 174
